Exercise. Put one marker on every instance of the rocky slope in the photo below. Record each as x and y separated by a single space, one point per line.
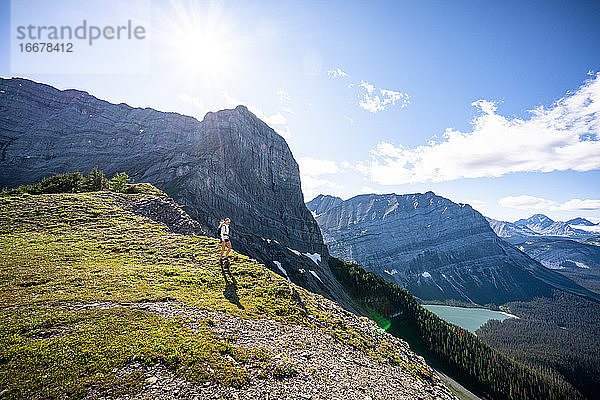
229 164
435 248
100 301
322 203
579 261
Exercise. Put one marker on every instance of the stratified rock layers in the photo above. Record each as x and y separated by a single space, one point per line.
435 248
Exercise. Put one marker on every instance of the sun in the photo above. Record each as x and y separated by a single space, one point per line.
200 43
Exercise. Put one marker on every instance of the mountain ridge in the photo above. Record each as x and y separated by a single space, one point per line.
540 225
435 248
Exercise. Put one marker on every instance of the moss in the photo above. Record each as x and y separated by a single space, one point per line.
88 346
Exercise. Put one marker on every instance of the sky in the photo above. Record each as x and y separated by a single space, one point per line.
492 104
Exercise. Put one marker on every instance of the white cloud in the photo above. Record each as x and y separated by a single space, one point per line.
315 167
476 204
367 190
564 136
527 202
311 170
284 132
336 73
368 87
275 119
581 205
374 100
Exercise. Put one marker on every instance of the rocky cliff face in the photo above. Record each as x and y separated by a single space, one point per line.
435 248
231 164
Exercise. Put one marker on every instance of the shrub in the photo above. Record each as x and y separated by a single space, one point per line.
74 182
94 181
118 183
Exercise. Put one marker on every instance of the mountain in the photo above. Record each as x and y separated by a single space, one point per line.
436 249
102 299
537 222
577 260
543 225
323 203
537 225
230 164
580 221
510 231
556 245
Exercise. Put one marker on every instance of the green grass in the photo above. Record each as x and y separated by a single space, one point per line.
58 251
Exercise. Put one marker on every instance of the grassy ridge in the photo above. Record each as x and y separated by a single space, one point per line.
62 250
61 255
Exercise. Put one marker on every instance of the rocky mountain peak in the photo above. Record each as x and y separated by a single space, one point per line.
536 219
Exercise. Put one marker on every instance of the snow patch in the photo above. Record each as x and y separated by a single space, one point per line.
581 265
283 271
392 272
296 252
316 257
313 273
551 265
591 229
426 274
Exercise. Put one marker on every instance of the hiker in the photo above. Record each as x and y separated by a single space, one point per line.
224 233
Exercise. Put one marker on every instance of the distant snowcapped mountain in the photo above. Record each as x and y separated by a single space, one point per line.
538 225
537 222
568 247
579 260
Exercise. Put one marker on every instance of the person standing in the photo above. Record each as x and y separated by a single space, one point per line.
224 233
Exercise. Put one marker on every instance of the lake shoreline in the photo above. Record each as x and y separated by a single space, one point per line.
469 318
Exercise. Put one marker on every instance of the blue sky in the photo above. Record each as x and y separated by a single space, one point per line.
403 96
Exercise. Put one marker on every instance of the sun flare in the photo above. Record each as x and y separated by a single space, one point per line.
201 45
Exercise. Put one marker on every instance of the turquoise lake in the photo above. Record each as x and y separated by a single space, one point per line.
468 318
